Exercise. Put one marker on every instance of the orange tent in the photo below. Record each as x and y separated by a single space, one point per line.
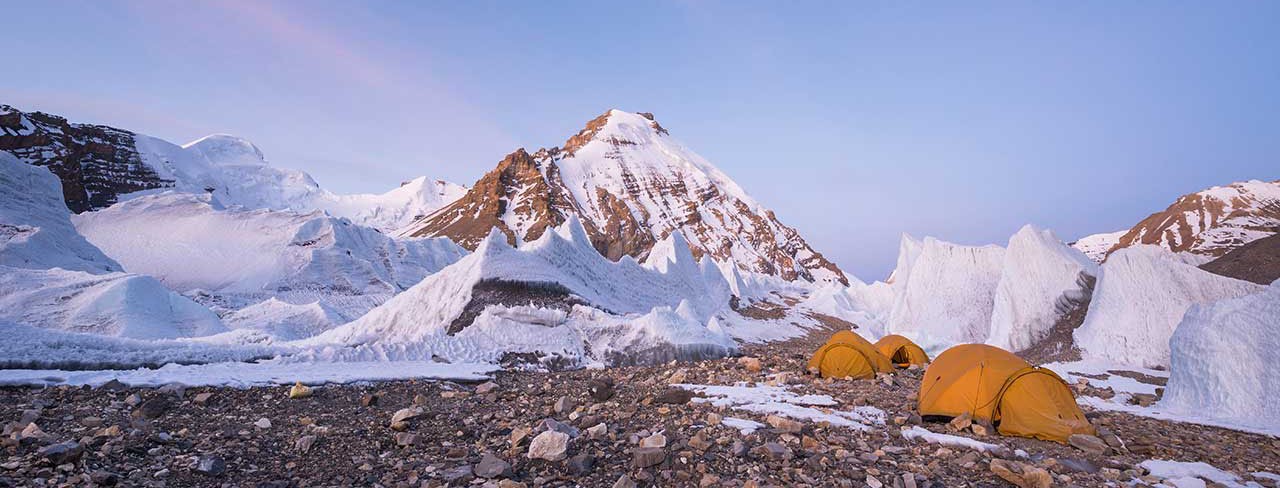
848 355
994 385
901 351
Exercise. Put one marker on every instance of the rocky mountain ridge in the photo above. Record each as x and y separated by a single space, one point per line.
631 184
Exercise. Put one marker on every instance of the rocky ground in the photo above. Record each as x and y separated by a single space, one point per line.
619 427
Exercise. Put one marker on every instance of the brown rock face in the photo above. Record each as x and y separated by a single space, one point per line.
1257 261
631 186
1212 222
96 163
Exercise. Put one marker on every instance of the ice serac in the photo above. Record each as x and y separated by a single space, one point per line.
1213 221
1141 296
1096 246
245 256
1221 355
632 185
943 292
35 225
1042 279
555 296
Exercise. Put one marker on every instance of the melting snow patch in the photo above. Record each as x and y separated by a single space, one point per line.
1184 475
777 400
923 434
747 427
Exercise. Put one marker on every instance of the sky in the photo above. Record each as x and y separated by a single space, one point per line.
855 121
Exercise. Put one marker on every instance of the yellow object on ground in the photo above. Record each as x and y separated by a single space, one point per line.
901 351
994 385
848 355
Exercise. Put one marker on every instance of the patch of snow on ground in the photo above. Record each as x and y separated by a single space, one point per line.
918 433
1184 474
243 375
778 400
745 426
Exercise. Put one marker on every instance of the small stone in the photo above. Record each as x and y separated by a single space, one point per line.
263 423
783 424
1089 444
714 418
565 404
600 390
674 396
491 466
598 431
708 480
299 390
776 451
624 482
202 398
873 482
421 399
678 377
104 478
644 457
458 475
558 426
1021 474
62 452
700 442
91 422
211 466
518 435
655 440
486 387
369 400
153 408
750 364
405 414
132 400
405 439
304 443
549 445
961 422
581 464
979 430
908 479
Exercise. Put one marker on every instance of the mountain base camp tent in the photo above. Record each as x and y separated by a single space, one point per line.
901 351
848 355
995 386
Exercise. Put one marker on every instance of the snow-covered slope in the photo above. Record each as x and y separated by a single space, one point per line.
1096 246
286 321
1213 221
1041 280
395 209
1140 298
632 185
1222 361
944 292
190 243
622 309
35 228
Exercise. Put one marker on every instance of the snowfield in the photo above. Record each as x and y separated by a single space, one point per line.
231 258
1140 298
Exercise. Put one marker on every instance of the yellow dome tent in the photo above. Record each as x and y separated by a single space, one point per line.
901 351
994 385
848 355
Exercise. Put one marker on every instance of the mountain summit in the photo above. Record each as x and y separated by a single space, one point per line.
631 184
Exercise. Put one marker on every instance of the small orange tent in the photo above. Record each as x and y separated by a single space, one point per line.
994 385
901 351
848 355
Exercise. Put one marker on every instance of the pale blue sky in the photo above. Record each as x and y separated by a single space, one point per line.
855 121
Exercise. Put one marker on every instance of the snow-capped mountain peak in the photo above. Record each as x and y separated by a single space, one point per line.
1212 222
632 184
225 149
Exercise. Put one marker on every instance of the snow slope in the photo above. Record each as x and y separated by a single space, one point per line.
629 309
1040 281
1221 361
285 321
1096 245
35 225
189 242
1139 300
944 292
